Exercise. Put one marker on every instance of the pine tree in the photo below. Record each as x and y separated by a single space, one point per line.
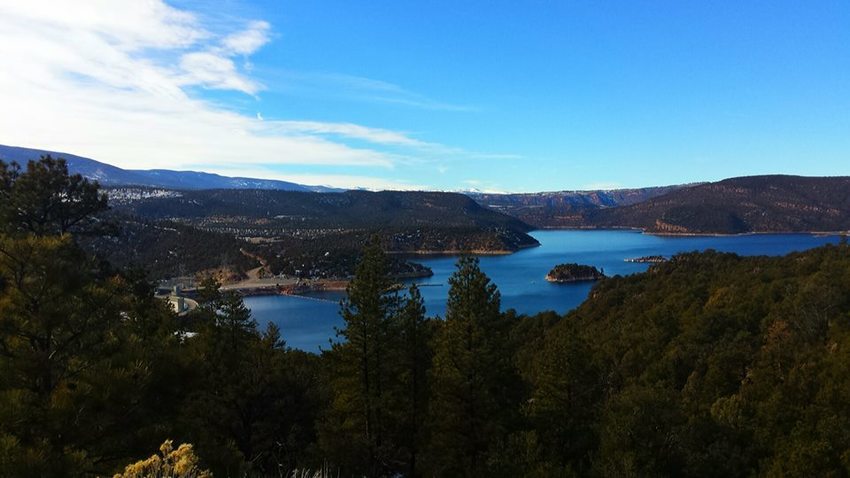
239 411
357 429
473 377
414 362
46 200
77 340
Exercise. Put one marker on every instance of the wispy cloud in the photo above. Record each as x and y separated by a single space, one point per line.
422 151
115 81
350 130
358 88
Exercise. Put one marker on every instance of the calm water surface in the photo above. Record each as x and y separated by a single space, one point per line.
308 323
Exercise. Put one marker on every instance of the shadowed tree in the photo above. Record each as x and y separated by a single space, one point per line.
473 378
76 354
414 361
46 200
357 426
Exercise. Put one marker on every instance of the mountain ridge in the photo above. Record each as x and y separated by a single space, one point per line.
557 209
109 175
747 204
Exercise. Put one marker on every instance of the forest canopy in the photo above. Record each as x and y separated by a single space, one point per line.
709 364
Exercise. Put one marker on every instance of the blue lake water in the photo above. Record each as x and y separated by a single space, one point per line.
308 323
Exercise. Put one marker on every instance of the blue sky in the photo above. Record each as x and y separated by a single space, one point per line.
493 95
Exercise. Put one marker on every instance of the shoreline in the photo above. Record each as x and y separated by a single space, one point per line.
460 252
298 289
695 234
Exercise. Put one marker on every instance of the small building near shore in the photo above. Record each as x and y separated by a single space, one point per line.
181 305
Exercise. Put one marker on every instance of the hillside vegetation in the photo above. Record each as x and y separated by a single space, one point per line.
166 249
565 208
338 223
773 203
708 364
350 209
740 205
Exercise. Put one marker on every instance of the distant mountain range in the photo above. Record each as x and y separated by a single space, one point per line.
773 203
108 175
565 209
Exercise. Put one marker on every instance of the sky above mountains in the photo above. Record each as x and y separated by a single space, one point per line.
491 95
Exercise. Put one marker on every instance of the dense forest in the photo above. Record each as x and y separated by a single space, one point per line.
709 364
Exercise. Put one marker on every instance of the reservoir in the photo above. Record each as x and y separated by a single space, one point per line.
308 323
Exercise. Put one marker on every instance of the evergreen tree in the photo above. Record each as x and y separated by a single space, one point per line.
357 426
414 362
245 407
46 200
76 339
473 379
562 406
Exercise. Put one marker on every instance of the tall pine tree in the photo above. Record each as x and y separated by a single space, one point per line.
357 425
413 361
473 379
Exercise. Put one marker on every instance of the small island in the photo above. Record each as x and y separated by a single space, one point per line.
564 273
647 259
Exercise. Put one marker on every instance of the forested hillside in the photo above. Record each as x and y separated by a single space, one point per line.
350 209
565 208
739 205
709 364
166 249
774 203
298 226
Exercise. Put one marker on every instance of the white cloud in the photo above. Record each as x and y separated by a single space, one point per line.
109 80
249 40
349 130
358 88
130 25
118 81
212 70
